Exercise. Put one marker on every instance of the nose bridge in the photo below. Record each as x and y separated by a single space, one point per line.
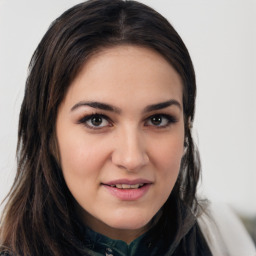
130 151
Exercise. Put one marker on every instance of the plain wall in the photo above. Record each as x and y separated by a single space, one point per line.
221 38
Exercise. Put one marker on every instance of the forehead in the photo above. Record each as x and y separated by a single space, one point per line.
126 72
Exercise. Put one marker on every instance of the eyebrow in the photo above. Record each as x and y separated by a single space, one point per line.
162 105
97 105
108 107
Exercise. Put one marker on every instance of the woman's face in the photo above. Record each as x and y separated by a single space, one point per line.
120 132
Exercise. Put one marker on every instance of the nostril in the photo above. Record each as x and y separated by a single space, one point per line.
130 163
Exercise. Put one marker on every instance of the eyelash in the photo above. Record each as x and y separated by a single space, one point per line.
85 119
169 120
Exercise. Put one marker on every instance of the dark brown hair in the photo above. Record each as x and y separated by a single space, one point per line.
37 219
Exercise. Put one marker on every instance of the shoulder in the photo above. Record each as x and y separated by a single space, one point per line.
224 232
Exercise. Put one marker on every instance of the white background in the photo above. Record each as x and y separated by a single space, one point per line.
221 38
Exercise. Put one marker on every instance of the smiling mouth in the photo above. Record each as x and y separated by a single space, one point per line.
127 186
128 190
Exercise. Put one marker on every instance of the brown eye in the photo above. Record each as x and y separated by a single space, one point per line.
96 120
160 120
156 120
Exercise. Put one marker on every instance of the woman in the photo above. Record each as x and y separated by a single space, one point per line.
106 161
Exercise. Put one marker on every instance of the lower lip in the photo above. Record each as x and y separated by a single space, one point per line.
128 194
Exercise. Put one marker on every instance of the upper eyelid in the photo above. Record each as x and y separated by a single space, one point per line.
85 118
161 114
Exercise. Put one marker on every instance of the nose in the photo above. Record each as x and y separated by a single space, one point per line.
130 151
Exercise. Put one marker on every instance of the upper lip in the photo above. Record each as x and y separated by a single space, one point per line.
128 182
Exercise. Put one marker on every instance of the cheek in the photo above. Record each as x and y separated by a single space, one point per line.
169 152
79 166
82 157
167 159
171 159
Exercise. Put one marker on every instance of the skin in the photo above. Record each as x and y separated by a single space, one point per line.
126 144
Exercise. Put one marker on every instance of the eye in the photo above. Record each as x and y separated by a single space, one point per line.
160 120
95 121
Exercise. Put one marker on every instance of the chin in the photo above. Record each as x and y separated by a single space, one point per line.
128 222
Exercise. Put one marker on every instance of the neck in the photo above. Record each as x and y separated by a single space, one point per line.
126 235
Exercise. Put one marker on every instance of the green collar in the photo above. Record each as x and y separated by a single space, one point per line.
162 239
104 245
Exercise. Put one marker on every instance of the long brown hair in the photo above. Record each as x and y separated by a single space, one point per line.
38 217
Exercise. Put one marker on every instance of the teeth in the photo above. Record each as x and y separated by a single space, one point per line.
127 186
135 186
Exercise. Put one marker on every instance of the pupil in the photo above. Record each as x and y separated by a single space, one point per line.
96 121
156 120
